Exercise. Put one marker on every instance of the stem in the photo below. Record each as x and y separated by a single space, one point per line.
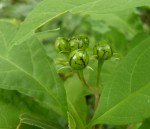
93 127
93 90
100 63
101 127
81 77
130 126
18 126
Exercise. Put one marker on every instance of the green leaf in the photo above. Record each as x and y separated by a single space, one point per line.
114 20
76 101
136 125
10 108
27 69
48 10
126 97
118 42
12 104
74 112
30 120
25 126
138 38
5 43
71 121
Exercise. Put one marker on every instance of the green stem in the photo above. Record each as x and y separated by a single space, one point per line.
100 63
101 127
82 78
130 126
18 126
93 90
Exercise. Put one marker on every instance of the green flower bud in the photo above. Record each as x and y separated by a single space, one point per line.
103 50
79 42
61 45
78 59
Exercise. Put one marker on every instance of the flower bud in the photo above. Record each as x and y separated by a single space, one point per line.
78 59
103 50
61 45
79 42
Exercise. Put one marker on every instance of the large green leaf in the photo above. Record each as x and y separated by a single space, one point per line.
126 97
12 104
71 121
50 9
138 38
10 108
76 101
30 120
27 69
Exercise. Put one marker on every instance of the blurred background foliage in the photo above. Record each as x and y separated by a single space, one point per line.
16 9
124 30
